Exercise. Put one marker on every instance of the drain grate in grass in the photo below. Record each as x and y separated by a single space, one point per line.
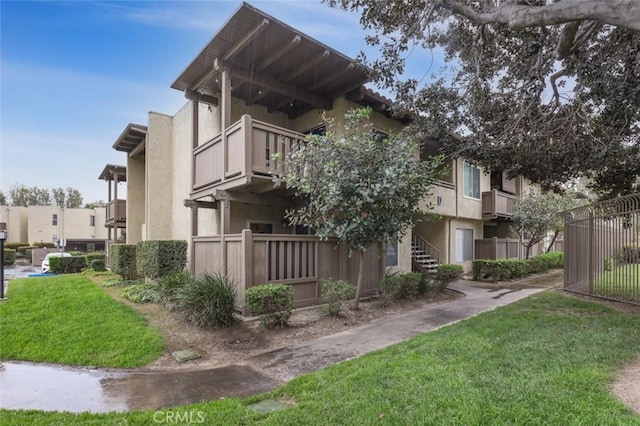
269 406
185 355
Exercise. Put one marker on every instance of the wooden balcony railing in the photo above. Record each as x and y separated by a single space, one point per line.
244 149
116 212
496 204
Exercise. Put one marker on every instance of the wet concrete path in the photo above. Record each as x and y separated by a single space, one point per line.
58 388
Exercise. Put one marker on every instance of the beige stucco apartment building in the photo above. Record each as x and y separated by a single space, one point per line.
77 227
204 173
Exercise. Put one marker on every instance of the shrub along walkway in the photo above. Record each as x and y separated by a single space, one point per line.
122 391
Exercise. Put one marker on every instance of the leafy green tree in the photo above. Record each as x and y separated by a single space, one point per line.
59 196
537 214
74 198
19 195
22 195
357 185
3 199
95 204
547 89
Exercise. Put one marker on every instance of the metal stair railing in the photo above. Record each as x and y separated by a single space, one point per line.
421 247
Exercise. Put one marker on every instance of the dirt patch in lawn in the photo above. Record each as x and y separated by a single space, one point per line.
221 347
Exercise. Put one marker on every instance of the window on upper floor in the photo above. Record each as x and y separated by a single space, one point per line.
471 181
92 220
54 219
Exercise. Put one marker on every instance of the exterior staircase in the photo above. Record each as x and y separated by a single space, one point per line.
425 257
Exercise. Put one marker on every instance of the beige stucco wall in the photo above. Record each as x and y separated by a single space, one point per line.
72 223
16 220
136 195
182 141
159 177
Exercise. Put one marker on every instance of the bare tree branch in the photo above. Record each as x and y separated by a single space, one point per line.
621 13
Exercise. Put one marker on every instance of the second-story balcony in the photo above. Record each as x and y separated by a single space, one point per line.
496 204
116 214
240 155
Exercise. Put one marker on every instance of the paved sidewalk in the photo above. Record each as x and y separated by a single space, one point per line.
60 388
287 363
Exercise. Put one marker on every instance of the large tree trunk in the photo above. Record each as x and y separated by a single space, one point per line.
356 300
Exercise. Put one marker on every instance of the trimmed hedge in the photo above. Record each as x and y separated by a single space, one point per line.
15 245
94 256
446 274
401 286
273 302
122 259
67 265
24 250
97 265
506 269
43 245
159 258
8 257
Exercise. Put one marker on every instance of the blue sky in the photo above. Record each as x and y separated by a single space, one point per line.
75 73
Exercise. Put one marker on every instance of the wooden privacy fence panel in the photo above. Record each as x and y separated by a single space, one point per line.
602 249
301 261
504 248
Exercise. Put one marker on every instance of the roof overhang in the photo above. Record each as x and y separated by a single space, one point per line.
131 139
112 170
270 64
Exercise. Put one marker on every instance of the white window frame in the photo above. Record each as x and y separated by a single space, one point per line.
463 255
473 169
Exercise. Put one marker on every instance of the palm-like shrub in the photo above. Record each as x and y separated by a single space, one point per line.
208 301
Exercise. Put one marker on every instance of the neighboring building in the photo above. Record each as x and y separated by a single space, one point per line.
204 174
116 208
80 228
77 229
16 220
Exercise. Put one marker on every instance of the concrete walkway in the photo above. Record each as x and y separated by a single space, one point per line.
37 386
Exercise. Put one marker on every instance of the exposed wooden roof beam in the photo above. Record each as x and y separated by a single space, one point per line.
246 40
332 76
248 198
268 61
304 66
278 53
192 95
301 68
230 53
201 204
277 86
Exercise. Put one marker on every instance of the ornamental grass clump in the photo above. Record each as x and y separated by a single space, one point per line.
208 300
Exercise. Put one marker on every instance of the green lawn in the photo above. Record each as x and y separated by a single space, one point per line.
621 282
68 319
546 360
